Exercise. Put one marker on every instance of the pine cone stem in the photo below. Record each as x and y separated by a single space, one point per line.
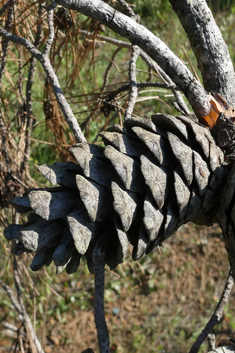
101 327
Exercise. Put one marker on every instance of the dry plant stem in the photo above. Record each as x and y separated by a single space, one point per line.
128 8
111 95
107 71
45 62
11 296
148 42
216 316
101 327
50 20
133 82
5 46
209 47
29 110
34 342
180 101
152 65
5 7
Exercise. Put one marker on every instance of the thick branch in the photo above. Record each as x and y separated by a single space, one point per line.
147 41
209 47
65 107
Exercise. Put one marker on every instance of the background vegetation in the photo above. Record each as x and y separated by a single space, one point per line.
157 304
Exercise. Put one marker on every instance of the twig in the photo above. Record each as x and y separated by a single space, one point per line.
128 8
216 316
11 296
107 71
148 42
5 46
34 342
133 82
5 7
111 95
181 103
152 65
50 20
101 327
65 107
29 110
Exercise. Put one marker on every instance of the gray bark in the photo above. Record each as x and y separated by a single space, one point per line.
209 47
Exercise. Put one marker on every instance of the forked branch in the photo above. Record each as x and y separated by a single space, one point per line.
148 42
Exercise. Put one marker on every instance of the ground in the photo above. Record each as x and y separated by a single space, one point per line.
158 304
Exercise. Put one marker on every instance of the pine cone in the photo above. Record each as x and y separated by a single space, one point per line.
152 176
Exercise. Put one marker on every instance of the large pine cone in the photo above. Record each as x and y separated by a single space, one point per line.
153 176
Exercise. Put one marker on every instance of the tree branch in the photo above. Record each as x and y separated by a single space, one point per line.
50 20
209 47
147 41
65 107
216 316
133 82
31 73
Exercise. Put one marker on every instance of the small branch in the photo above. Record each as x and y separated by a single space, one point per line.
101 327
209 47
35 345
148 42
29 110
50 20
5 7
11 296
150 62
109 96
107 71
133 82
65 107
5 46
216 316
181 102
127 8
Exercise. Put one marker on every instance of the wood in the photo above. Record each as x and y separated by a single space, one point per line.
41 234
55 204
182 193
96 199
156 144
169 124
125 204
21 204
184 155
92 166
201 173
153 218
123 143
62 174
82 230
153 173
127 168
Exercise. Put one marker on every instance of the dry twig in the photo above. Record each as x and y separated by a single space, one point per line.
216 316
